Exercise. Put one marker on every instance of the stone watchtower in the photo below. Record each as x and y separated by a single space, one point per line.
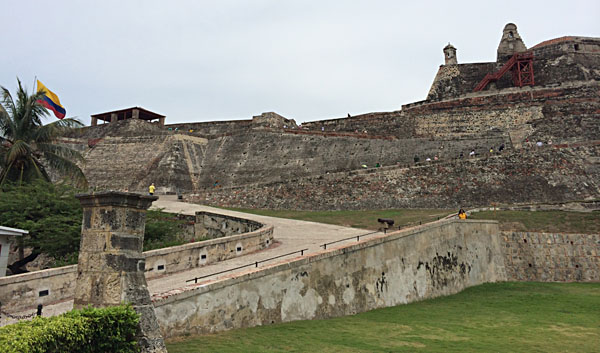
450 55
110 270
510 43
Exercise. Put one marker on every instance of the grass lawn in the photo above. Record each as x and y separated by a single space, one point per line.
357 219
539 221
495 317
545 221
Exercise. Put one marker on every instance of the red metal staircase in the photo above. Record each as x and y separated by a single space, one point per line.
521 66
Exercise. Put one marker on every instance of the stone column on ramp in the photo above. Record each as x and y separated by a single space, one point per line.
110 270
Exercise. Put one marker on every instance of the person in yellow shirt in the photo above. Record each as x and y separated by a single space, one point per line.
462 214
151 189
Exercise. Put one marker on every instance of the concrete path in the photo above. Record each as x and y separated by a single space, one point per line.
289 235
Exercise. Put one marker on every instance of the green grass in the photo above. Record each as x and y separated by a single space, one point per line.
545 221
495 317
366 219
525 221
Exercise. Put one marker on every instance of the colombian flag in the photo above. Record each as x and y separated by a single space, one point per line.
50 101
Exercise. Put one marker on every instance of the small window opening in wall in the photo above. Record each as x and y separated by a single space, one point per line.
524 240
576 266
529 265
510 34
268 241
571 242
203 256
160 267
239 248
44 293
576 46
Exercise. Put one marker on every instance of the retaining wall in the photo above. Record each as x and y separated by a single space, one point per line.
555 257
214 225
437 259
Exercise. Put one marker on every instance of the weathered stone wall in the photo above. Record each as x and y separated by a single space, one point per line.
566 114
214 225
20 292
569 59
555 257
166 261
452 81
182 162
546 174
27 290
424 262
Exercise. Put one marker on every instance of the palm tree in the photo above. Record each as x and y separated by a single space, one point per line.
28 149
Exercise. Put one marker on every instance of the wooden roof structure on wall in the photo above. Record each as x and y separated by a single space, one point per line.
128 113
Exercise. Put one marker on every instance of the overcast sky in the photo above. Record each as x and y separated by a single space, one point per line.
228 60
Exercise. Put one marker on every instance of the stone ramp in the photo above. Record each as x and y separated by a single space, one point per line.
289 235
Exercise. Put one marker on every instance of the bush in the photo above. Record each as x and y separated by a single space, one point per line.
87 330
161 230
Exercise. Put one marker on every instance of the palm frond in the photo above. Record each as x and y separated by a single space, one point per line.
59 150
19 150
66 167
27 146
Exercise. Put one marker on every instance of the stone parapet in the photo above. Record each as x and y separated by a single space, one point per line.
22 292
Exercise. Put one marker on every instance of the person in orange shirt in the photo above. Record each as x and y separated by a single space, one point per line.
462 214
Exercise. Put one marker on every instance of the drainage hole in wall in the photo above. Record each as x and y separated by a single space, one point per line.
203 256
524 240
44 293
160 267
268 241
239 248
571 242
529 265
576 266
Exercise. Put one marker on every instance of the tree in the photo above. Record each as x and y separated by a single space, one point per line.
27 147
53 216
50 213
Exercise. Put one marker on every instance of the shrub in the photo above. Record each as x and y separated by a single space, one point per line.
87 330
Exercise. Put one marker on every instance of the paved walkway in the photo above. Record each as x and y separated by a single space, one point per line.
289 235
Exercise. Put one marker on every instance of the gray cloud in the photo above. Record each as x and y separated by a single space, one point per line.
220 60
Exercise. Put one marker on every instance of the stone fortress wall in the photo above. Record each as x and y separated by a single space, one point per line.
437 259
270 152
546 174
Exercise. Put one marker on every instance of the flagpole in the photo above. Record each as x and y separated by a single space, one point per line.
34 83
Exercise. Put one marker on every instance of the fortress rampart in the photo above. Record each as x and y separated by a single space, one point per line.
551 173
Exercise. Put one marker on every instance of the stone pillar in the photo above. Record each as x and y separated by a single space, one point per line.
135 114
161 121
94 121
114 117
110 270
